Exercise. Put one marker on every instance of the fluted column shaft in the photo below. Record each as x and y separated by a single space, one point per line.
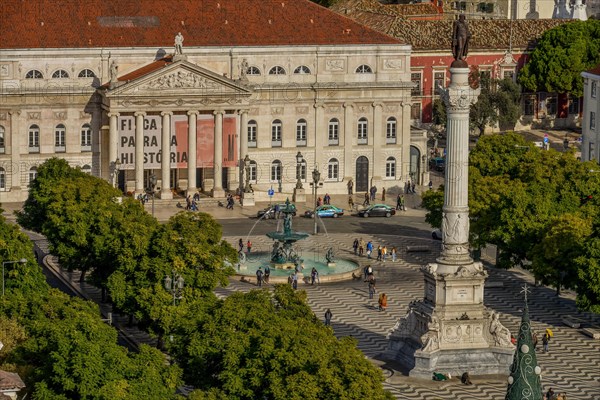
139 152
192 149
165 161
218 156
113 136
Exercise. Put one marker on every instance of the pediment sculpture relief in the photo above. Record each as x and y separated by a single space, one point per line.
182 79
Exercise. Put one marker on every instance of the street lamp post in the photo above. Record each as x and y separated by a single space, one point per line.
316 176
299 160
21 261
174 284
151 189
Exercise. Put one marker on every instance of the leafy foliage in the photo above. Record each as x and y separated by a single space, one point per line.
560 56
258 345
433 201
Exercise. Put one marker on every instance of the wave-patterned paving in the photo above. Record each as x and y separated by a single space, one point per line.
571 366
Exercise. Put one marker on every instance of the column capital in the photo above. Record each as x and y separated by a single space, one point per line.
242 112
113 114
140 113
193 112
217 112
348 105
164 113
377 104
14 112
319 104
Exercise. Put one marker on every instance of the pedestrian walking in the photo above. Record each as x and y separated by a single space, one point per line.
369 249
361 247
350 186
402 203
398 202
383 195
295 280
430 185
355 246
327 198
366 202
313 276
534 337
259 277
249 246
241 245
384 253
350 203
382 302
393 252
412 188
328 316
379 253
371 288
267 274
545 341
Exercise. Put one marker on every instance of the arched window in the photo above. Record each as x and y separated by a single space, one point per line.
333 169
277 70
86 137
2 142
34 74
252 169
276 133
301 132
303 69
363 130
34 139
2 179
301 171
364 69
390 167
59 137
390 131
61 73
32 175
333 132
253 71
86 73
87 169
276 171
252 131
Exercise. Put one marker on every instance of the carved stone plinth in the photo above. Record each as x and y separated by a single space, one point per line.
248 199
299 196
166 194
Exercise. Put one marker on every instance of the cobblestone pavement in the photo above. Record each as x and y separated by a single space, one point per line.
571 366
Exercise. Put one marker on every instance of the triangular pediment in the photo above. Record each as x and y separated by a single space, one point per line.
181 78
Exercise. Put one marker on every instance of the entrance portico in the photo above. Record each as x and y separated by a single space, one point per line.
180 110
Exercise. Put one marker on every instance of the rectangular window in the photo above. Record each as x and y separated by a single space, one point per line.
390 131
34 141
551 106
86 138
252 172
415 78
332 171
594 89
439 79
276 134
252 128
529 105
574 106
2 180
1 140
415 111
333 134
509 75
362 132
592 120
275 173
301 134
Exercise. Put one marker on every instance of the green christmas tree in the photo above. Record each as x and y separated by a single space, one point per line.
524 379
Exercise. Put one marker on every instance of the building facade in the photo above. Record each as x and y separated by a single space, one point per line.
591 113
109 92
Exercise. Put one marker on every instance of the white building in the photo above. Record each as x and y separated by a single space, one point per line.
591 112
269 78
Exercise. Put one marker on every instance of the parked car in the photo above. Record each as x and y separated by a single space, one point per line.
269 212
377 210
437 164
436 234
325 211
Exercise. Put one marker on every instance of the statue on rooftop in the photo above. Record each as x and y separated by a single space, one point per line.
460 38
179 43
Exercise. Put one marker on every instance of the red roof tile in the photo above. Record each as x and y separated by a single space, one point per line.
154 23
146 69
595 70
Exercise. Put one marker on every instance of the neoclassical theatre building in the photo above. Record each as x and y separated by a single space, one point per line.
186 90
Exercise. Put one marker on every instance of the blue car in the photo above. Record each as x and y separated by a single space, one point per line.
325 211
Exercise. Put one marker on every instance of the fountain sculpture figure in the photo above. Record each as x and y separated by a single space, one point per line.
283 255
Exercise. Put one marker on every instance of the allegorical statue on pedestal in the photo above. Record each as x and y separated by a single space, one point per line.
460 38
179 43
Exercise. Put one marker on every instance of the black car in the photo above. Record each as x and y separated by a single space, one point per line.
269 212
377 210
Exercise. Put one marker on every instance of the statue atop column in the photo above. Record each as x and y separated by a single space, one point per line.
460 39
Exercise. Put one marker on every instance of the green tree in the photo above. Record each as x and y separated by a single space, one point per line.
483 113
262 345
433 201
507 100
560 56
438 114
588 273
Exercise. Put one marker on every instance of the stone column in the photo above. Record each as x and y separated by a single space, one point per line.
378 162
15 154
218 157
165 161
243 134
192 149
348 136
139 152
113 139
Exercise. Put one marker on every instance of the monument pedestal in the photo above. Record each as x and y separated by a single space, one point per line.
166 195
248 199
299 196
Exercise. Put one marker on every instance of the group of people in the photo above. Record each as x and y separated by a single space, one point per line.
409 187
230 202
263 276
325 200
550 395
400 203
369 278
359 246
191 203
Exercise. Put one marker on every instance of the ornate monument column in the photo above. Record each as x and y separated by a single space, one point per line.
450 330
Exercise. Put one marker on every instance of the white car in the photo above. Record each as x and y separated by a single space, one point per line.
436 234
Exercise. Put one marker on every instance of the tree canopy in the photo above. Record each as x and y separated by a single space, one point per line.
560 56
